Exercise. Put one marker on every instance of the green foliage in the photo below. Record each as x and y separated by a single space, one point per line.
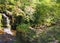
37 12
27 12
0 20
50 35
23 27
46 12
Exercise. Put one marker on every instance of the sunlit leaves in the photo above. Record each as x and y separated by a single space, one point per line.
0 16
29 10
0 20
11 1
47 1
32 9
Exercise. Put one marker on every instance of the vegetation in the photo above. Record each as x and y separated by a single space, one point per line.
36 21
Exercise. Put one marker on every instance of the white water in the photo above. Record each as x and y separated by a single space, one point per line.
8 29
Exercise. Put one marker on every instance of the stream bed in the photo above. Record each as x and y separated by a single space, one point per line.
6 38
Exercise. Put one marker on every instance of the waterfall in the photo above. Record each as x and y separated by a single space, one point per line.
8 28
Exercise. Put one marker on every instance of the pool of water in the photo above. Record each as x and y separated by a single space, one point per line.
6 38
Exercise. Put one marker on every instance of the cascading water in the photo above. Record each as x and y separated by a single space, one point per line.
8 28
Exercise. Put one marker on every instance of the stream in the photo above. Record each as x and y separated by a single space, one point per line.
8 28
7 36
